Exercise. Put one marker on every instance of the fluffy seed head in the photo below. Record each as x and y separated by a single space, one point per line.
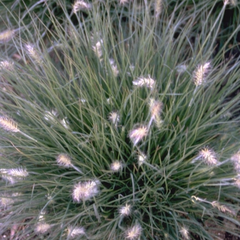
13 175
42 228
114 67
230 2
222 208
32 52
236 161
65 123
237 182
17 172
134 232
145 82
155 110
141 158
200 74
64 160
137 134
41 217
6 35
208 156
9 179
85 190
50 116
6 65
8 124
73 232
114 118
97 48
158 7
81 5
125 210
122 2
6 200
185 233
116 166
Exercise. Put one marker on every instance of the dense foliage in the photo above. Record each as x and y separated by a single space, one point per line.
119 120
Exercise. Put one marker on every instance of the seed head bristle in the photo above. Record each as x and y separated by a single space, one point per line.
137 134
73 232
222 208
42 228
141 158
65 122
7 200
122 2
17 172
200 74
236 161
85 190
208 156
155 107
41 217
134 232
50 115
116 166
6 35
97 48
114 67
145 82
81 5
33 53
155 110
185 233
8 124
6 65
64 160
158 7
125 210
237 182
13 175
230 2
114 118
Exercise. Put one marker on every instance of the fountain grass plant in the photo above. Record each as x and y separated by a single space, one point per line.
127 128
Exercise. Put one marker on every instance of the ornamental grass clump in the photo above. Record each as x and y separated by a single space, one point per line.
103 137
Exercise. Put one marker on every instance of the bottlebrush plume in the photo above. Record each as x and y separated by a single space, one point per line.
33 53
208 156
85 190
125 210
114 118
42 228
6 65
134 232
116 166
137 134
145 82
73 232
6 35
81 5
8 124
185 233
64 160
200 74
97 48
158 8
